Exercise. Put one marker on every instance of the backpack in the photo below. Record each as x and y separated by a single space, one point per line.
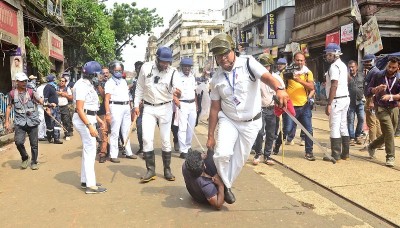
30 93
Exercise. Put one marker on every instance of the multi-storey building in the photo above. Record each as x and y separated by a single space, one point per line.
188 35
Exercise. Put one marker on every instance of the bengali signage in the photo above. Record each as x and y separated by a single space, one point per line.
56 49
8 24
333 37
271 26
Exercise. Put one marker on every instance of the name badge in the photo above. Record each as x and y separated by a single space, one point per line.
235 100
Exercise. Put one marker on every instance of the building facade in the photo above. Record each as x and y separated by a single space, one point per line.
188 35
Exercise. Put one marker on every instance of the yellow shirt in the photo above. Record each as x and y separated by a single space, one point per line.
296 91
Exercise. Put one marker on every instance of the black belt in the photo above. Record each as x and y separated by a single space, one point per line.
268 107
119 102
148 103
254 118
88 112
187 101
341 97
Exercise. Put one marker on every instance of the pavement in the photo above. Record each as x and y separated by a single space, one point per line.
269 196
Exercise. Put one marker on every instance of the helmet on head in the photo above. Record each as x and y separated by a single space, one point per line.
266 59
281 61
221 44
91 68
333 48
164 54
187 61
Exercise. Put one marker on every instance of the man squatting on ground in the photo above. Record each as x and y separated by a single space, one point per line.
155 88
235 106
337 93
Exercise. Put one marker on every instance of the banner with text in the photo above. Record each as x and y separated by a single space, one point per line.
8 24
271 26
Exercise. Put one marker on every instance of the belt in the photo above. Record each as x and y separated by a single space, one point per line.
148 103
88 112
254 118
119 102
268 107
341 97
187 101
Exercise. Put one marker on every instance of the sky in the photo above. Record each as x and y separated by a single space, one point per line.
165 9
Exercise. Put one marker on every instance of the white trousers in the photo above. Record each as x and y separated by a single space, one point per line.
42 125
152 115
187 122
338 118
88 175
120 120
234 142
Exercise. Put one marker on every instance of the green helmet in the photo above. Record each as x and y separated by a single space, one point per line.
221 44
266 59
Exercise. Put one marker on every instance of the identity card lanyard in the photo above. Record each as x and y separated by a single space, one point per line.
390 87
233 81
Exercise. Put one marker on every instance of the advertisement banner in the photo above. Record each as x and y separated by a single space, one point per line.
371 37
346 33
56 48
8 24
295 47
333 37
304 49
271 26
355 11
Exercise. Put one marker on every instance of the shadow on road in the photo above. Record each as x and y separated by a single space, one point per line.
72 155
176 197
68 177
128 170
14 164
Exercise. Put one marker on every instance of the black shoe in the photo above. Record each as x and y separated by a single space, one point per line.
42 139
229 197
309 157
102 159
151 167
83 185
115 160
139 151
166 156
57 141
182 155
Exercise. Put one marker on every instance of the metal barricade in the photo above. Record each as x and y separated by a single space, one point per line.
4 99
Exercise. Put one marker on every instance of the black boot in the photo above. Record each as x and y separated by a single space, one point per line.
345 148
229 197
166 157
151 167
336 148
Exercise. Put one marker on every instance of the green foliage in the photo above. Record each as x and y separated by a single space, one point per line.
39 61
94 34
128 21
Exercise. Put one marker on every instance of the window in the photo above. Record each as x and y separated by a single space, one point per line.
226 14
183 47
231 11
217 31
210 32
201 31
189 46
188 33
197 45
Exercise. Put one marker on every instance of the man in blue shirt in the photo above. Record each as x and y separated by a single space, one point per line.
52 110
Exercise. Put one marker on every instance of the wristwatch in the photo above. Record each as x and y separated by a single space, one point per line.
87 125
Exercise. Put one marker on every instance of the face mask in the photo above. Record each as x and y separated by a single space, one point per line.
95 81
117 75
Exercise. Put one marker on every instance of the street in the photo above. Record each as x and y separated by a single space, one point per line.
266 196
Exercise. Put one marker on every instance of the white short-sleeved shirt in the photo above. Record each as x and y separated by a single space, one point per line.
84 91
337 71
118 89
267 92
246 91
187 85
62 101
40 89
148 90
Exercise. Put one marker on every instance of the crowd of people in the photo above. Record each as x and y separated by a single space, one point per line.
242 103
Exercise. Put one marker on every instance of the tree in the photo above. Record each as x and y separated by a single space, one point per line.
127 21
91 29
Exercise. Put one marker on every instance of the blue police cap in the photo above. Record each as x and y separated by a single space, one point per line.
50 78
187 61
164 54
91 67
368 57
332 47
281 61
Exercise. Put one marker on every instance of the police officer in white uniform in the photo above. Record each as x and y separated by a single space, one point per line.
186 106
118 113
337 93
236 107
84 119
155 88
42 125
